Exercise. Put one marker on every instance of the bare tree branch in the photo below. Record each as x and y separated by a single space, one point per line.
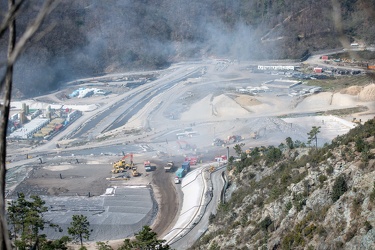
10 16
14 51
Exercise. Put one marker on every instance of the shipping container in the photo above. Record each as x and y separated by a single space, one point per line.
318 70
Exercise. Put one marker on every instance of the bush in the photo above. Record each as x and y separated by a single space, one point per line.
330 170
322 178
288 206
372 195
273 155
368 226
264 224
339 188
211 218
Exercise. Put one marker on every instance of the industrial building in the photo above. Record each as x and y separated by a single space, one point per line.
281 83
275 67
40 124
29 129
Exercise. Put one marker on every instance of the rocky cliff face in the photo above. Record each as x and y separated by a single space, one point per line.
306 199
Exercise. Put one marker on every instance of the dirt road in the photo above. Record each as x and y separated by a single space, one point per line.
167 198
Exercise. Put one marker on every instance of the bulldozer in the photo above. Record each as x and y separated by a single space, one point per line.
134 172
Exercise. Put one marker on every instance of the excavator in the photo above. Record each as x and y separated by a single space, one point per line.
121 165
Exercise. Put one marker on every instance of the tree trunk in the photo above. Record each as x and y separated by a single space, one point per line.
5 243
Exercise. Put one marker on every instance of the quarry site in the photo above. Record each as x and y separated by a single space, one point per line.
197 109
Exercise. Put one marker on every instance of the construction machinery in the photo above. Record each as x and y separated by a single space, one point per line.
169 166
192 159
121 165
356 121
221 158
134 172
218 142
147 165
117 170
177 180
180 173
118 167
233 139
254 135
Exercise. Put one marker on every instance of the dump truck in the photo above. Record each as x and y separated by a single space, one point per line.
233 139
192 159
218 142
169 166
180 173
147 165
186 166
221 158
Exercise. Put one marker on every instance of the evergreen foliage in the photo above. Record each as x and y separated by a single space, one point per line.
79 228
339 188
25 220
146 239
313 135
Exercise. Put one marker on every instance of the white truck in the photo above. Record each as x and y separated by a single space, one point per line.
169 166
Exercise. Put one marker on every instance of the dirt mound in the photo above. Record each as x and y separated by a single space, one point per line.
352 90
368 93
246 100
224 106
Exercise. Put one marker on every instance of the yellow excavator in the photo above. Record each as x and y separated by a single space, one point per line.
121 165
117 170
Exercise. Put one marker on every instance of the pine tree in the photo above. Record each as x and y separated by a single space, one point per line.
313 135
146 239
79 228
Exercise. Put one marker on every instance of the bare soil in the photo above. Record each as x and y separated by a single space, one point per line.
85 178
165 192
66 180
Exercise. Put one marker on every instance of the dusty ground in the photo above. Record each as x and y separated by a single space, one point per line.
66 180
57 177
211 105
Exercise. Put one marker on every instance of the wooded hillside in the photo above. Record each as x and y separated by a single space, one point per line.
95 37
